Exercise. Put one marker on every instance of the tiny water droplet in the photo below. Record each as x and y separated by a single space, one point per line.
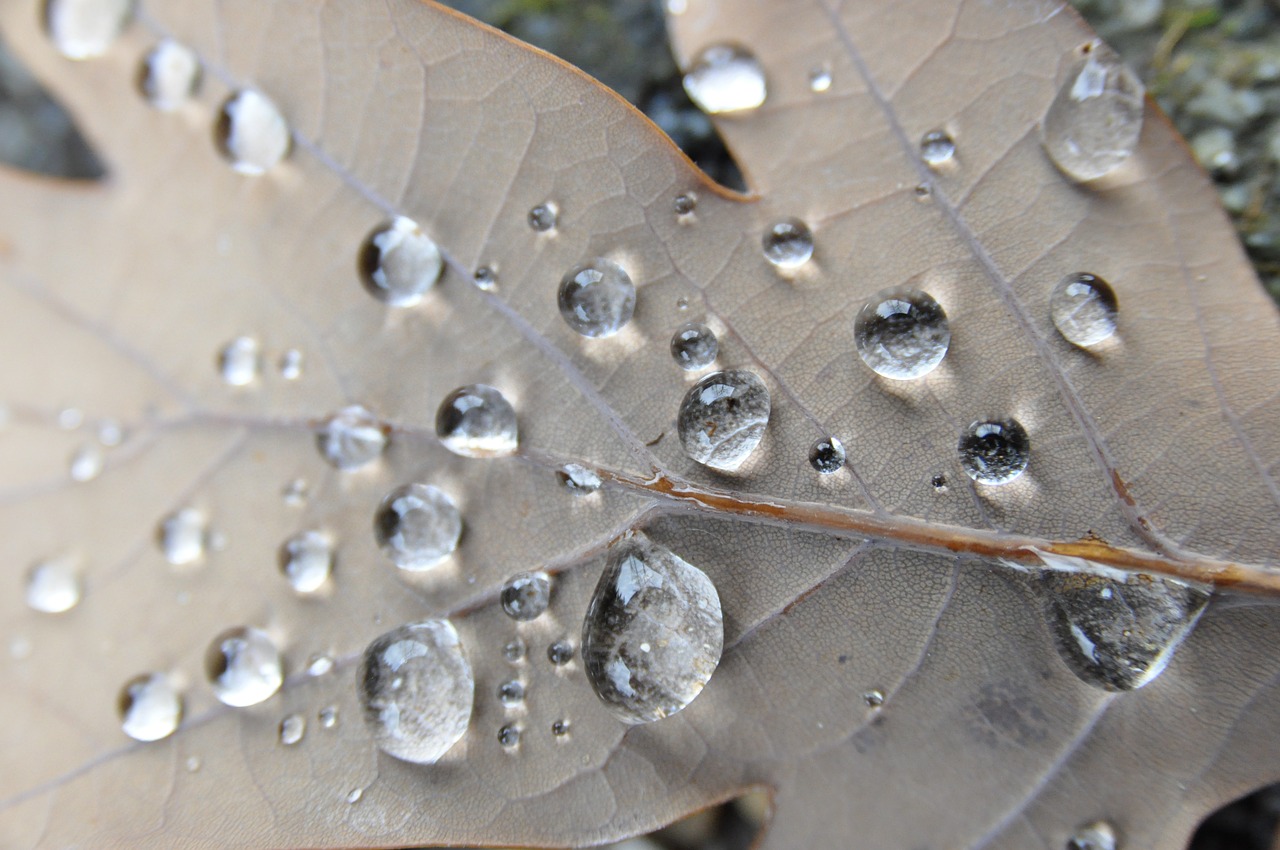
243 665
319 664
240 361
86 29
525 596
1083 308
819 78
193 764
902 333
514 651
351 438
939 483
685 203
328 717
543 217
1093 124
150 707
292 728
417 690
398 263
86 463
252 133
937 148
873 698
509 736
291 364
417 526
725 78
694 346
827 455
723 417
597 298
485 278
169 76
306 559
923 191
788 244
477 421
511 692
53 586
560 728
578 480
183 536
295 492
560 652
995 451
354 795
1095 836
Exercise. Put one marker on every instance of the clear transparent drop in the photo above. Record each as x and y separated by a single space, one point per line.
319 664
1093 124
240 361
525 596
417 526
725 78
514 651
290 365
252 132
827 455
183 536
85 29
292 728
150 707
560 653
597 298
685 204
1083 307
579 480
653 632
306 559
873 698
477 421
694 346
560 728
788 244
398 263
1095 836
544 217
243 665
170 75
937 148
509 736
819 79
994 451
723 417
86 463
295 493
328 717
902 333
53 586
485 278
351 438
416 691
511 692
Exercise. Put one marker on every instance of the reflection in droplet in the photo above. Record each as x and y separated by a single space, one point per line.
994 451
560 652
560 728
252 133
485 278
243 665
53 586
416 690
514 651
306 559
183 536
86 463
685 204
937 148
827 455
150 707
597 298
902 333
694 346
509 736
85 29
398 263
1095 836
578 480
873 698
788 244
653 632
169 76
477 421
526 595
290 364
725 78
723 417
1093 124
328 717
319 664
819 78
417 526
511 692
1083 308
292 728
544 217
351 438
295 492
240 361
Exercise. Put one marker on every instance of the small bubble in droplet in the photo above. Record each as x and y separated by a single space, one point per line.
994 451
597 299
560 728
937 148
543 217
183 536
319 664
86 463
328 717
292 728
169 76
827 455
243 665
902 333
873 698
819 78
694 346
509 736
290 364
306 559
398 263
526 595
1094 122
723 418
514 651
150 707
685 204
252 133
579 480
511 692
240 361
485 278
53 586
86 29
477 421
788 244
560 652
417 526
351 438
1095 836
725 78
1083 308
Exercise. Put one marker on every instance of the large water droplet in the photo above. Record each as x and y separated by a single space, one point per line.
182 536
902 333
827 455
53 586
694 346
240 361
995 451
725 78
1095 836
653 633
252 133
306 559
788 244
723 417
84 29
417 690
292 728
351 438
543 217
150 707
579 480
597 298
1083 307
1093 124
169 76
937 148
398 263
243 666
417 526
526 595
477 421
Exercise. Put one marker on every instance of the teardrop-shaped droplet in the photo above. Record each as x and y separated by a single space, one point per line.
399 263
240 361
937 148
526 595
351 438
417 526
53 586
252 133
725 78
306 559
1083 307
597 298
243 665
694 346
827 455
514 651
477 421
994 451
183 536
653 633
544 217
788 244
169 76
150 707
902 333
723 417
1095 836
578 479
85 29
416 690
292 728
1093 124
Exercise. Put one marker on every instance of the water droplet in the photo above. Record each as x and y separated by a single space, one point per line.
182 536
1093 124
306 559
240 361
85 29
53 586
937 148
319 664
694 346
351 438
995 451
1083 308
902 333
597 298
725 78
514 651
511 693
788 244
509 736
1095 836
416 690
291 364
578 479
560 652
252 133
819 78
150 707
354 795
560 728
243 665
543 217
292 728
485 278
827 455
295 492
873 698
723 417
169 76
328 717
939 483
685 203
653 632
417 526
477 421
526 595
399 263
86 463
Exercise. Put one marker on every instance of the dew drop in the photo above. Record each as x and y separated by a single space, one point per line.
1095 836
694 346
544 217
514 651
150 707
579 480
597 298
560 728
398 263
1093 124
827 455
351 438
86 463
240 361
725 78
723 417
511 692
319 664
873 698
939 483
819 79
994 451
525 596
477 421
788 244
292 728
902 333
417 526
937 148
685 204
243 666
252 133
183 536
560 652
355 795
416 690
170 75
653 632
85 29
291 364
328 717
1083 307
295 492
485 278
53 586
509 736
306 559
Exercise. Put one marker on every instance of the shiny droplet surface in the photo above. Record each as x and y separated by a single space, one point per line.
243 665
685 204
525 596
1083 308
416 690
514 651
937 148
417 526
579 480
994 451
398 263
328 717
86 463
694 346
873 698
292 728
485 278
819 79
560 728
351 438
1096 836
252 132
183 536
827 455
169 76
477 421
1093 124
902 333
240 361
544 217
509 736
725 78
597 298
150 707
85 29
723 417
306 559
788 244
653 632
511 692
560 653
53 586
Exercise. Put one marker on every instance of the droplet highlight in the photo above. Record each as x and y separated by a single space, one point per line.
994 451
509 736
417 526
725 78
86 29
477 421
525 596
150 707
252 133
937 148
560 653
819 79
398 263
544 217
53 586
685 204
87 463
243 665
694 346
827 455
788 244
351 438
183 536
1095 836
511 693
579 480
902 333
1093 124
597 299
723 418
240 361
170 75
292 729
1083 308
306 560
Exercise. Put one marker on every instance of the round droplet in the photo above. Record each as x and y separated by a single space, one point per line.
939 483
169 76
560 652
937 148
398 263
509 736
306 559
240 361
53 586
543 217
485 278
1083 307
514 651
1093 124
994 451
526 595
295 492
579 480
873 698
417 526
477 421
560 728
723 417
1095 836
788 244
244 667
416 690
351 438
694 346
725 78
685 203
328 717
902 333
85 29
183 536
319 664
86 463
819 79
597 299
292 728
291 364
252 133
827 455
150 707
511 693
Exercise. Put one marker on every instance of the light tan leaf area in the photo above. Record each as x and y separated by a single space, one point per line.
404 444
